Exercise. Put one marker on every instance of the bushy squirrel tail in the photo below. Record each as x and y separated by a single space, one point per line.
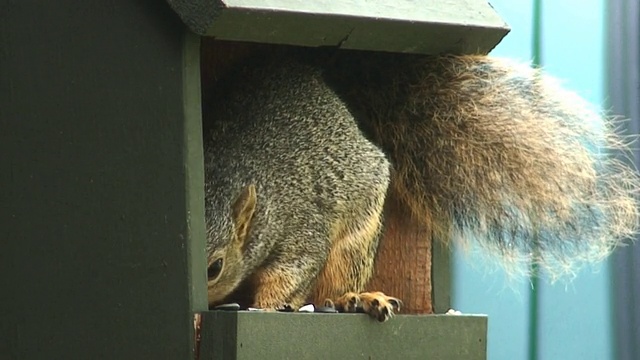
491 152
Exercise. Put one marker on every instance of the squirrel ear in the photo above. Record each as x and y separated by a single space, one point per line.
242 211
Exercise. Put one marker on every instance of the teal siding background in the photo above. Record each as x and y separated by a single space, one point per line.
574 319
623 89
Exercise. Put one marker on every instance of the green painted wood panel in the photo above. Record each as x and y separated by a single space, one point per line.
416 26
300 336
441 277
101 207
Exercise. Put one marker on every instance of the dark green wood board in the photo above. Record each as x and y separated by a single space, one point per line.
101 207
410 26
300 336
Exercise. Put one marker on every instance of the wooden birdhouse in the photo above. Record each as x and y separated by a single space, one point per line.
103 180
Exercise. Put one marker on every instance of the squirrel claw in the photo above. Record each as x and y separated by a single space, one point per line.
274 308
376 304
285 308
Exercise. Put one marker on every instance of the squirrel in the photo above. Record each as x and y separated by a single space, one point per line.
306 146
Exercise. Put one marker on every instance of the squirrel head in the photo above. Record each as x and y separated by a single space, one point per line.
226 239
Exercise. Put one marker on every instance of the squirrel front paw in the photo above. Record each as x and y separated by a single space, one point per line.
378 305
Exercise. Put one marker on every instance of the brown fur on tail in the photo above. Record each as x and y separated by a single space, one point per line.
493 152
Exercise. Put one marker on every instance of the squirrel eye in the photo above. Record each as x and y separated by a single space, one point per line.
214 269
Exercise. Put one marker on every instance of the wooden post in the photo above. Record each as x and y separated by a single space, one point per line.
403 265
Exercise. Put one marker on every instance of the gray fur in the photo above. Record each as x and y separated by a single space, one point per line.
311 166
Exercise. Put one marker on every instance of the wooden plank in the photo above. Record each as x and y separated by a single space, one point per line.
403 266
412 26
102 186
252 335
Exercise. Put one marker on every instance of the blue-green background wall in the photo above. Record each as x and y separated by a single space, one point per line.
574 320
